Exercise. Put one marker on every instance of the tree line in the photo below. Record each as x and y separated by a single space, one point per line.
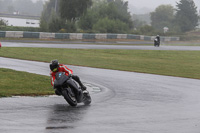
112 16
105 16
183 18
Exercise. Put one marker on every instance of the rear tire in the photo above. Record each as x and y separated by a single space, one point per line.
87 99
69 98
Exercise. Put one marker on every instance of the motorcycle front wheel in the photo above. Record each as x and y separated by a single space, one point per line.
69 97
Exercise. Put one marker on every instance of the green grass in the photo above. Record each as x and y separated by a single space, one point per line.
173 63
14 83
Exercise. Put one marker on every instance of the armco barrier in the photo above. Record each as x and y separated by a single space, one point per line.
147 38
45 35
16 34
31 35
2 34
111 36
121 36
80 36
101 36
76 36
62 35
131 36
174 39
89 36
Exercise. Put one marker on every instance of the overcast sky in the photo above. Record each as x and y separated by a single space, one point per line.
150 5
155 3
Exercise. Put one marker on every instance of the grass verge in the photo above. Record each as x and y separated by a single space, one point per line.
14 83
172 63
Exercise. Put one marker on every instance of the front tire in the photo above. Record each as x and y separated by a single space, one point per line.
69 98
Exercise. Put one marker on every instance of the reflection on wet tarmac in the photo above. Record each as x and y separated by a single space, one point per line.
63 116
64 127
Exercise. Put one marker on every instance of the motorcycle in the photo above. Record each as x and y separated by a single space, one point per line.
70 90
156 43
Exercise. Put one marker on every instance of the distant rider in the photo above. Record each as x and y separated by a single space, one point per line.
56 67
158 38
157 41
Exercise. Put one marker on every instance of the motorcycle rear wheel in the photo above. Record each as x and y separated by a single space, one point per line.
86 99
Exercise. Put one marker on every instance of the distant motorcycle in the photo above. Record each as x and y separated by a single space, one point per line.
156 43
69 89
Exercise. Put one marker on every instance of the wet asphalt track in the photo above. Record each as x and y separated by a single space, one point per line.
96 46
129 102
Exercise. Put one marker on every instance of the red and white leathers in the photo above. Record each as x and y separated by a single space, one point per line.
61 68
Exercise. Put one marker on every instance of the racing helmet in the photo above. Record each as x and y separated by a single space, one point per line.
54 65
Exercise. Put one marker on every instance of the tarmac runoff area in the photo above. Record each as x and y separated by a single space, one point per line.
95 46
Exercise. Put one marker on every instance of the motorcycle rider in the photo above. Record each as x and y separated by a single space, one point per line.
157 41
158 38
56 67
